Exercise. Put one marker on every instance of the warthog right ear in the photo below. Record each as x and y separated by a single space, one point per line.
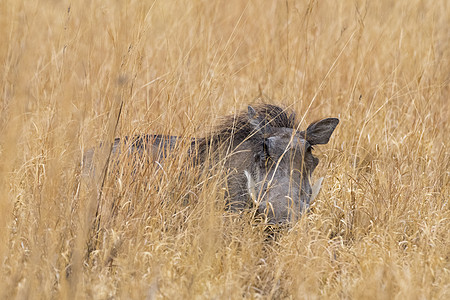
319 132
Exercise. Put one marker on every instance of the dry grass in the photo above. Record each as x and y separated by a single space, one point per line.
380 227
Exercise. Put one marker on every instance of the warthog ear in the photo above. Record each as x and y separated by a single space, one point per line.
253 118
256 121
319 132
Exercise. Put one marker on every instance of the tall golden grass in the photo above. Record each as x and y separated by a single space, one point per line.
75 74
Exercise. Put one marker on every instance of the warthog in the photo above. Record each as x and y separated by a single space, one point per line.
269 162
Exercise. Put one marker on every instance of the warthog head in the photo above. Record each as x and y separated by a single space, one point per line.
279 178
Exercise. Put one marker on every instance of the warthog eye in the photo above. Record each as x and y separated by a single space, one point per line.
266 148
308 147
264 155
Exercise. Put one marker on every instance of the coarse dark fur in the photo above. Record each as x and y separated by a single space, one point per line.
233 130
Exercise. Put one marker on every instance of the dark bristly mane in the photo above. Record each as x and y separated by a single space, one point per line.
236 128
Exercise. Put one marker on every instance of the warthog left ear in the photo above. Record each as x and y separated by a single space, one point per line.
253 117
319 132
255 120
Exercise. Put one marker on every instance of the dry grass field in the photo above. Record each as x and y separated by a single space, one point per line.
75 74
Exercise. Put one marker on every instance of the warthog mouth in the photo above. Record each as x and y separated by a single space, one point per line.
256 197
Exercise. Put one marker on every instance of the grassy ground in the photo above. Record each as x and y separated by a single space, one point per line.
380 227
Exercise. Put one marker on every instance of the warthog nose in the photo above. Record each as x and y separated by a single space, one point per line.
282 222
277 223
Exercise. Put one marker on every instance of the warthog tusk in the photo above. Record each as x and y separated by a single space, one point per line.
315 190
251 187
